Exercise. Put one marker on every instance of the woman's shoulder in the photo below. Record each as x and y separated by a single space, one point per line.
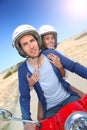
47 51
59 51
56 52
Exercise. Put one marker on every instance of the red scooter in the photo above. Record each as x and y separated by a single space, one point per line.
73 116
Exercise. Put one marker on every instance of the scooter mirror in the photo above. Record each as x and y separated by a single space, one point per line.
5 114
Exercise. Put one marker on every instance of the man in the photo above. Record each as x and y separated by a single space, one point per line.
52 90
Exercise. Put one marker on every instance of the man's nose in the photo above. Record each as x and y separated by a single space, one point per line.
31 45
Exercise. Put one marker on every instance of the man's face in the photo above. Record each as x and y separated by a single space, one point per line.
49 41
29 45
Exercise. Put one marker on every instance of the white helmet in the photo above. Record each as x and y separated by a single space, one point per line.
19 32
46 29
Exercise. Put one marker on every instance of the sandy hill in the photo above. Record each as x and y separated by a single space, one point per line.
74 48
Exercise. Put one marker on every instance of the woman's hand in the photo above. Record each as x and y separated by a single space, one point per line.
34 78
56 61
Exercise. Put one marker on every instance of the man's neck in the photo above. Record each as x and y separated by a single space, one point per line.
36 62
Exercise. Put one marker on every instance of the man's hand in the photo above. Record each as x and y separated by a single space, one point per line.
34 78
30 126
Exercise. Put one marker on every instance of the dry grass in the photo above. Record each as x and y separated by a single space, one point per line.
75 49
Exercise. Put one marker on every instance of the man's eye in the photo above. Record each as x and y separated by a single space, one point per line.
33 40
24 44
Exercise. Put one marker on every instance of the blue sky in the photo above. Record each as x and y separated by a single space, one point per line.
69 17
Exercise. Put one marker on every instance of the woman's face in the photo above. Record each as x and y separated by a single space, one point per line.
29 45
49 41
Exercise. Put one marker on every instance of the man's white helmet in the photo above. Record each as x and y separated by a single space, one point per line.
46 29
19 32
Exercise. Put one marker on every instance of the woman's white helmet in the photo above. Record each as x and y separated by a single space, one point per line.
46 29
19 32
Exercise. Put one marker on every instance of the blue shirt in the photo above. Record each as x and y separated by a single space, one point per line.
25 90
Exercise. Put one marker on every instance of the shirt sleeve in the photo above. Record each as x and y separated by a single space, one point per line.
72 66
24 91
68 64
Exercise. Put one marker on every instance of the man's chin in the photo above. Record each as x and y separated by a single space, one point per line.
34 56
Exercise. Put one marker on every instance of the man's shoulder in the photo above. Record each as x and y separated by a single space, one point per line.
21 66
48 51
